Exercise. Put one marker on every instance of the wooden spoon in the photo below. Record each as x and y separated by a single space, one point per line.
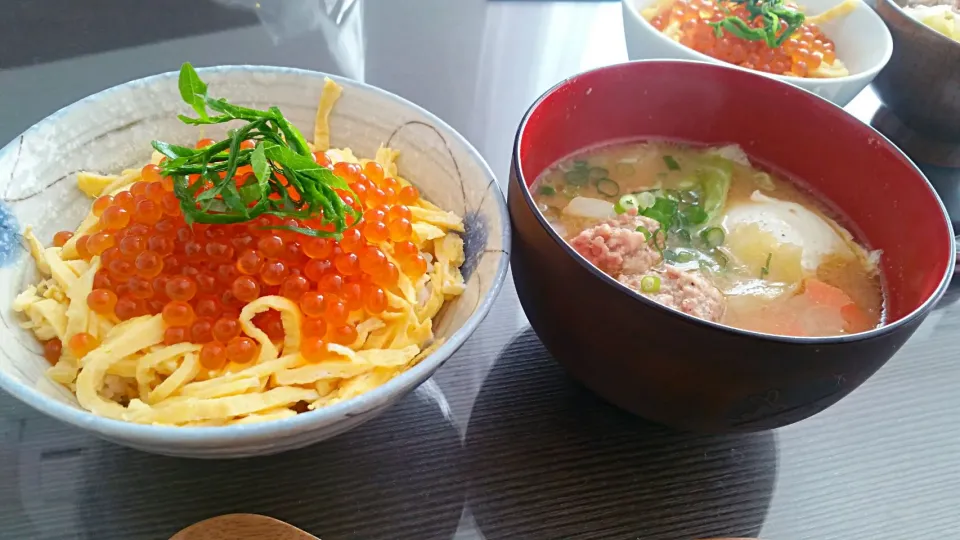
242 527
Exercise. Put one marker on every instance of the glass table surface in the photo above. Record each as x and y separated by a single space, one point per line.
500 444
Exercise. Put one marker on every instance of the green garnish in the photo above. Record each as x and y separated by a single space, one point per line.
663 211
281 152
766 267
548 190
577 177
596 173
660 240
645 199
671 163
715 177
645 231
626 202
607 187
721 259
771 13
650 284
680 255
694 215
689 196
713 237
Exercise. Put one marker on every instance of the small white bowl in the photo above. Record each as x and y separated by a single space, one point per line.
863 44
112 130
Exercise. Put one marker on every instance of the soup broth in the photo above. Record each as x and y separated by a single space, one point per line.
703 231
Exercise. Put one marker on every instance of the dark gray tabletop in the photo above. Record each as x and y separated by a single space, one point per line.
500 444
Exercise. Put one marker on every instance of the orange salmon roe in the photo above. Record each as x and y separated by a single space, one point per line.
52 350
799 55
61 238
199 277
81 343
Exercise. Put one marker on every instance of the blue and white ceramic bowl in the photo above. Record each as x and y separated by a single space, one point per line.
112 130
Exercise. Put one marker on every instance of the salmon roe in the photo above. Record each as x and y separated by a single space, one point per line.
802 53
61 238
199 277
82 343
52 350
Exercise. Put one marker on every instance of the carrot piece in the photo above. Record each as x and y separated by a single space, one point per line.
820 293
856 319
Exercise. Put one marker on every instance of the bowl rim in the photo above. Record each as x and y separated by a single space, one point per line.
199 437
942 39
886 41
920 311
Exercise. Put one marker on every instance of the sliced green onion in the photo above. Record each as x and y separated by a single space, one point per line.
607 187
671 163
577 177
645 200
548 190
695 215
625 169
596 173
680 255
713 236
626 203
660 240
645 231
689 196
721 259
650 284
766 267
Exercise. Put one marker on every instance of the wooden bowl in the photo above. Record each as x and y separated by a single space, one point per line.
921 83
671 367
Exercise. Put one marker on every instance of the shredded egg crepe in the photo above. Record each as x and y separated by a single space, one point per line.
133 374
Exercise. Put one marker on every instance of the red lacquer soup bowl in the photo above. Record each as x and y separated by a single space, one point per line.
671 367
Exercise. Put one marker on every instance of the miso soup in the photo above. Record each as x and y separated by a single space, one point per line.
703 231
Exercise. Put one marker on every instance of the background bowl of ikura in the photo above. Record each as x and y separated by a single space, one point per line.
862 43
112 130
666 365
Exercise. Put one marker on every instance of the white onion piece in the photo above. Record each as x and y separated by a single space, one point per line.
586 207
732 152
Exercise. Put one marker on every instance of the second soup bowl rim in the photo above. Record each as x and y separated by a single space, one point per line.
608 280
915 24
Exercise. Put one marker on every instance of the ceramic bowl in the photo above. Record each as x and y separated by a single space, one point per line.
112 130
921 84
863 44
682 371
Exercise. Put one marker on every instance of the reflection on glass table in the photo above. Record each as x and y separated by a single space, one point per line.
398 476
547 459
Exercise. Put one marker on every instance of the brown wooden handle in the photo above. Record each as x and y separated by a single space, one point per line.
242 527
